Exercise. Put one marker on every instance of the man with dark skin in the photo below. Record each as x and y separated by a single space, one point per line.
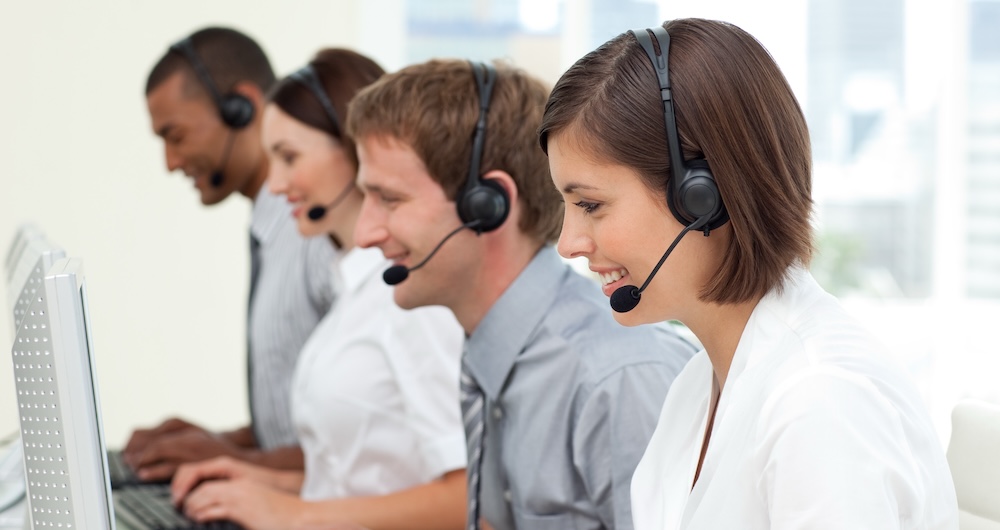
204 98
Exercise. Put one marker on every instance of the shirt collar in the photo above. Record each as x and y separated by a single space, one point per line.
777 312
268 210
504 332
356 266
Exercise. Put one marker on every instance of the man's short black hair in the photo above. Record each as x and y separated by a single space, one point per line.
228 55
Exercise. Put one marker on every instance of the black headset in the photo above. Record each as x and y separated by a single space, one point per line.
693 192
307 76
235 110
483 204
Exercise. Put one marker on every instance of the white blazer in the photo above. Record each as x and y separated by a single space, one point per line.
816 428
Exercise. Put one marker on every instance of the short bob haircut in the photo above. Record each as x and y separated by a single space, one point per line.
432 107
733 107
342 73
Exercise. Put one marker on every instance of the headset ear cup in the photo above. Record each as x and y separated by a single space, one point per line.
488 203
675 209
236 111
697 195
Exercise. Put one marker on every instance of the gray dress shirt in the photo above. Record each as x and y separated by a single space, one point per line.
292 291
572 398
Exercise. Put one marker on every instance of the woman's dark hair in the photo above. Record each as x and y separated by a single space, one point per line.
341 73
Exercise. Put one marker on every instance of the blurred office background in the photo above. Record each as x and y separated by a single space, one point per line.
902 98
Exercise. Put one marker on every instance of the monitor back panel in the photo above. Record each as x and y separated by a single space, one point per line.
28 274
64 455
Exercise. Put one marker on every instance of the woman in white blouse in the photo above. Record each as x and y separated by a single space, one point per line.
375 392
793 416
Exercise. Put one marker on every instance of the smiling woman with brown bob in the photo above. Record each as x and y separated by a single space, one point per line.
688 137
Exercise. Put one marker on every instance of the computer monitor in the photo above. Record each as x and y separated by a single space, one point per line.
28 266
15 253
25 263
21 235
65 460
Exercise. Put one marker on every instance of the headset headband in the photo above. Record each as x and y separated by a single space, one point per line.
486 77
186 48
660 65
307 76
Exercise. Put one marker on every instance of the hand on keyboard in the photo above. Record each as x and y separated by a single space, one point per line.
188 476
161 456
251 505
141 438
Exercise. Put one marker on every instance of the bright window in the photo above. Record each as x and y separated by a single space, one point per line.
903 103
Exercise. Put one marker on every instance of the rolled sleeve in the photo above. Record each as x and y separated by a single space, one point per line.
615 423
428 376
446 453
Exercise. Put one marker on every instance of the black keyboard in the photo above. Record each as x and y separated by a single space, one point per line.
149 508
121 474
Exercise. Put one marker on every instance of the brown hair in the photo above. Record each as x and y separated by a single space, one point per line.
228 55
733 107
433 108
342 73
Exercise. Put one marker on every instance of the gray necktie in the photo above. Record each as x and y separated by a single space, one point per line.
472 415
254 276
254 267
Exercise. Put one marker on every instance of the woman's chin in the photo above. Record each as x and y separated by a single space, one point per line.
309 228
635 317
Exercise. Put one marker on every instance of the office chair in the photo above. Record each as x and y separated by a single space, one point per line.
974 457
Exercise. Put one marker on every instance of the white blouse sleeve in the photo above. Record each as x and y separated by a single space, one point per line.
428 378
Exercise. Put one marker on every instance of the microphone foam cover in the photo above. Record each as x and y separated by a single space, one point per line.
395 274
625 298
316 213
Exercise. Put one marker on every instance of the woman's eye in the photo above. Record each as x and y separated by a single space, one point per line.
588 207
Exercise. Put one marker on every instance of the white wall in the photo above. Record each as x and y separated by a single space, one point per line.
167 277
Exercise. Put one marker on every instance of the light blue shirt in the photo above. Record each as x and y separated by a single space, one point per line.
572 398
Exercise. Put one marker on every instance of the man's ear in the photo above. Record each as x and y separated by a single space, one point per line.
506 181
252 92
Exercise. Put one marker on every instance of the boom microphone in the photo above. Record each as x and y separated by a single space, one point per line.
398 273
317 212
217 176
626 297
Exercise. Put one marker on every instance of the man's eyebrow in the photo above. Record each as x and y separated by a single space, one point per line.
371 187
